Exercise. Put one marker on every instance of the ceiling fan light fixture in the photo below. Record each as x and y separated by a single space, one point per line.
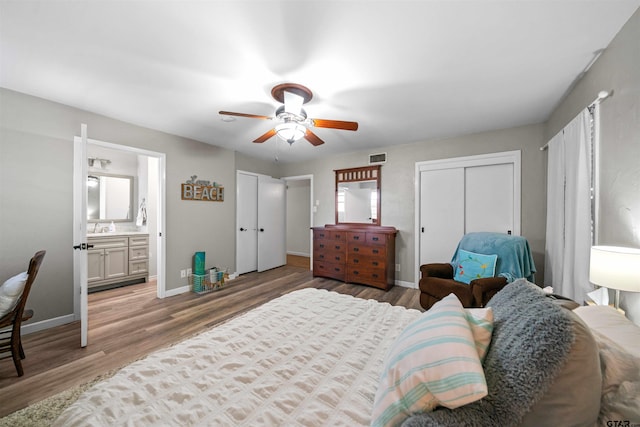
291 131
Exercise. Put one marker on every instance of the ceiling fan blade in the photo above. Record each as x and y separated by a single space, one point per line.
265 136
251 116
313 138
334 124
292 103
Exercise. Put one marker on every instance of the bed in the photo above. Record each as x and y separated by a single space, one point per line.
254 370
315 358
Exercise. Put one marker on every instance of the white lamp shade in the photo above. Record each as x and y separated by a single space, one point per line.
615 267
290 132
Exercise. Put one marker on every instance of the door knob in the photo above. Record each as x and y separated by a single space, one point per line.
262 230
242 229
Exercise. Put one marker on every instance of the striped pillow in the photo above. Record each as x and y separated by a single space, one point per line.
433 362
481 323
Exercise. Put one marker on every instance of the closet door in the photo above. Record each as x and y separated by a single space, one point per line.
442 213
246 223
489 198
272 210
464 195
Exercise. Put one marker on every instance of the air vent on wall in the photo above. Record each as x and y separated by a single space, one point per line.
378 158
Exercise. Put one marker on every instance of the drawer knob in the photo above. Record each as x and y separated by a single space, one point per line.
375 239
355 261
337 246
356 237
375 251
356 249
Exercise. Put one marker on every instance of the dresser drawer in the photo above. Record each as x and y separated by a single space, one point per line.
328 269
358 237
373 276
330 255
366 261
328 245
334 235
376 238
365 250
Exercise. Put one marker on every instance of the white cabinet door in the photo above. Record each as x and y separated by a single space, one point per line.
95 265
272 213
116 262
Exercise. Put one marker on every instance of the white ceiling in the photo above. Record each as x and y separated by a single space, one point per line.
406 71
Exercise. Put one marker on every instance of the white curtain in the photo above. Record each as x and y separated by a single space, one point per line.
568 238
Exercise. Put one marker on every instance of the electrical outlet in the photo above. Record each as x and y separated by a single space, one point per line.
183 273
397 267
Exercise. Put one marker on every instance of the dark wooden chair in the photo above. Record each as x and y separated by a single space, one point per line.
10 339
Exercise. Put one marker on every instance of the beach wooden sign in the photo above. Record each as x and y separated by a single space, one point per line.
198 189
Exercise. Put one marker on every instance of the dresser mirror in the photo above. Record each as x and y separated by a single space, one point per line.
358 195
109 197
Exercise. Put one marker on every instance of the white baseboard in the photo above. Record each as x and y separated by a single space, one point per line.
407 284
46 324
177 291
298 253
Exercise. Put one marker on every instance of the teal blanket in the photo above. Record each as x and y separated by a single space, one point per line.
514 256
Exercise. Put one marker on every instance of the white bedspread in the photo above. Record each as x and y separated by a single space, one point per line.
308 358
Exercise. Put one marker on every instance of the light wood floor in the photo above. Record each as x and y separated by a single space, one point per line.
127 323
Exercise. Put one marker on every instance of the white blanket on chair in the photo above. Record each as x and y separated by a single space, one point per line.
308 358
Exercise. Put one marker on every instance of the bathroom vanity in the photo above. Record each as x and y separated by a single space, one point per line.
116 259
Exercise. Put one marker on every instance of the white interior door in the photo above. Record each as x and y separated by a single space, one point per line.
272 210
246 223
442 213
80 232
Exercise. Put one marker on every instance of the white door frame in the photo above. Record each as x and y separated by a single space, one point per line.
161 220
513 157
311 206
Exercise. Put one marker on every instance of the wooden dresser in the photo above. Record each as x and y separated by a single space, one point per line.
364 254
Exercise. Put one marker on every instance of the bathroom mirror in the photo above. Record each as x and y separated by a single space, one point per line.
358 195
109 198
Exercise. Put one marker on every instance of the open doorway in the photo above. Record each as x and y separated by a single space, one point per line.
132 237
300 209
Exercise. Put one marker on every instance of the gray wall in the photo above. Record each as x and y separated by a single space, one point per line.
398 176
36 194
617 69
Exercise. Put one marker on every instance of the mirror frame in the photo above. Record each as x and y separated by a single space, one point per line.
131 197
365 173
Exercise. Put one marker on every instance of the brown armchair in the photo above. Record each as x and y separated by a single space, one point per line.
514 260
437 282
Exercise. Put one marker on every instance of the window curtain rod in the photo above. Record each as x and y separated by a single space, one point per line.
602 95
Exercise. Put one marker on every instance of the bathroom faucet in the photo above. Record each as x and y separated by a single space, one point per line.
96 226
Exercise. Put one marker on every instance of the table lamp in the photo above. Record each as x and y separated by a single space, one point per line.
615 267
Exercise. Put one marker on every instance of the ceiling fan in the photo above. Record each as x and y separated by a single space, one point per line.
294 123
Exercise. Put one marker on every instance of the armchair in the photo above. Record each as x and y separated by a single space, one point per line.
513 261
